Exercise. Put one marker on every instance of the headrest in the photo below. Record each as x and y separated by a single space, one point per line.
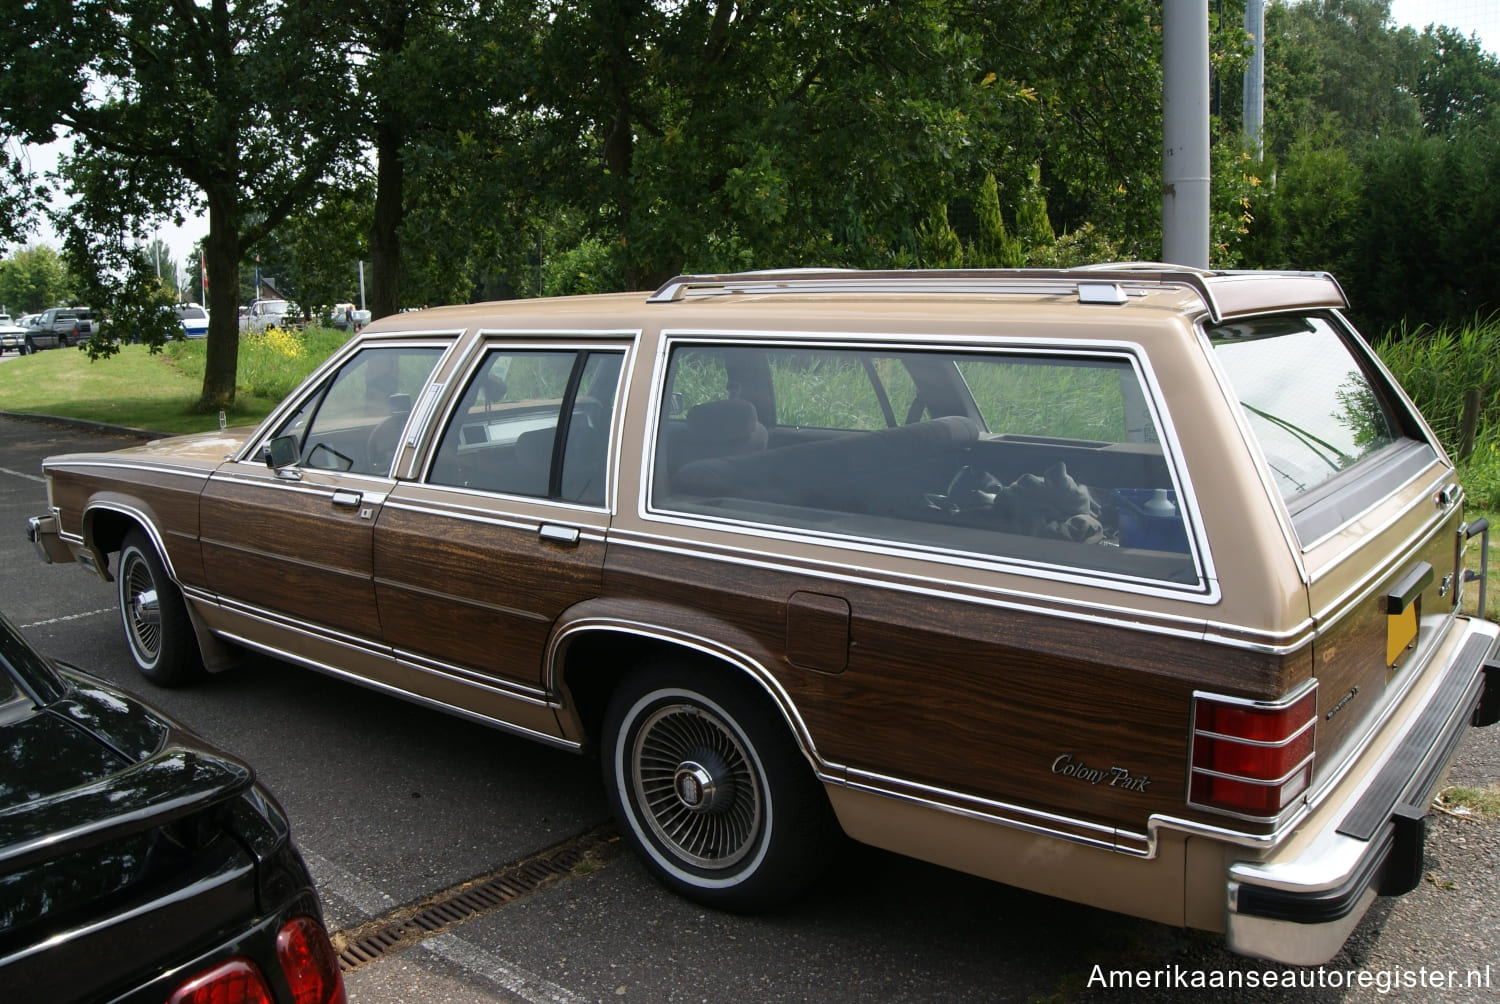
731 420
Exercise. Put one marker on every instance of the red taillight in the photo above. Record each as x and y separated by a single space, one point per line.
1252 758
237 981
307 959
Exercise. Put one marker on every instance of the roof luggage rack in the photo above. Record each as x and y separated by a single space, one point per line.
1226 294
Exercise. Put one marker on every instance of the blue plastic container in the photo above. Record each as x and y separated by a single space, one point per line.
1145 522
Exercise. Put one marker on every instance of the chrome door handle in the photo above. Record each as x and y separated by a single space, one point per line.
567 535
345 499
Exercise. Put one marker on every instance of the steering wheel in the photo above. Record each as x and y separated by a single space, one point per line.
380 449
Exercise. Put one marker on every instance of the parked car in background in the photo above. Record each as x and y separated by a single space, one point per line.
194 320
263 314
61 327
136 861
348 317
1141 586
12 336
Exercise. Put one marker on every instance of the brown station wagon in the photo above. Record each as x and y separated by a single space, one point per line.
1133 585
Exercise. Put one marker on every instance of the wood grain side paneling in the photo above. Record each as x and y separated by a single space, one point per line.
1068 716
167 501
291 550
477 594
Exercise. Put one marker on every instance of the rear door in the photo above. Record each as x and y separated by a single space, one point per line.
505 528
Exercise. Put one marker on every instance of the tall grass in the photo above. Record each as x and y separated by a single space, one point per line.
1438 366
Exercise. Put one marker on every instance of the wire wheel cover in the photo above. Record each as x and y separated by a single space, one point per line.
142 615
698 786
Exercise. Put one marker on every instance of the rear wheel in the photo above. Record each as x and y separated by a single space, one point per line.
154 615
708 786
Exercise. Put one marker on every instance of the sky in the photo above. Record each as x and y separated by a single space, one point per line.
1481 17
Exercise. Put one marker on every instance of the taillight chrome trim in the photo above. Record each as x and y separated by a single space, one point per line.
1303 766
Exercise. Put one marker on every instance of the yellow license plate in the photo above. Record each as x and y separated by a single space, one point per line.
1400 632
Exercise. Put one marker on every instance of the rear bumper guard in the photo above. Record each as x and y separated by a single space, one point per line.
1300 910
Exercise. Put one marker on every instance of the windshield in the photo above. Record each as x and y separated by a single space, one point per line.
1313 409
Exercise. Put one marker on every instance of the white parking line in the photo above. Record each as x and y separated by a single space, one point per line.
68 617
335 881
23 474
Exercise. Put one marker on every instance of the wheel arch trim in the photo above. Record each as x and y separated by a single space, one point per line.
730 656
141 517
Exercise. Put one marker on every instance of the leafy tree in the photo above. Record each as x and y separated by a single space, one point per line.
1338 64
168 102
1089 80
322 249
794 132
423 128
33 279
1033 226
163 264
1458 83
1426 239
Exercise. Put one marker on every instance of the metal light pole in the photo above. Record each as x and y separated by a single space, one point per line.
1255 94
1185 164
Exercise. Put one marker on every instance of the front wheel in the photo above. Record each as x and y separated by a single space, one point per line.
711 791
154 616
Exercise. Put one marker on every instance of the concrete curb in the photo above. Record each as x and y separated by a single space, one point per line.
91 426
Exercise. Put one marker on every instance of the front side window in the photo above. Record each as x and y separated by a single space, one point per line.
1038 458
353 421
1311 406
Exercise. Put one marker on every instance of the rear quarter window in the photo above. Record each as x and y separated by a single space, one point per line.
1038 459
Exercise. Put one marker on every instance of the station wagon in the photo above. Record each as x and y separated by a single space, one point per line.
1135 585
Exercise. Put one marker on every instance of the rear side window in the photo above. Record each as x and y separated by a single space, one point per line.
1044 458
1314 408
519 407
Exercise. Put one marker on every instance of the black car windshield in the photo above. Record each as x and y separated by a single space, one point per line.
26 672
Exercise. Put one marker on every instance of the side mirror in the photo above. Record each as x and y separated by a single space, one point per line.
281 452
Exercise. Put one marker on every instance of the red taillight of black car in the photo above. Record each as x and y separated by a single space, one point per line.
1252 758
307 961
237 981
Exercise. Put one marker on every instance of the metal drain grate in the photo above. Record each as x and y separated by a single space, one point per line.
409 925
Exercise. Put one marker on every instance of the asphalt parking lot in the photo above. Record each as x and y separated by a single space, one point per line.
394 804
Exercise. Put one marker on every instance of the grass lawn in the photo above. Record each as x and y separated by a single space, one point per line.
159 392
134 389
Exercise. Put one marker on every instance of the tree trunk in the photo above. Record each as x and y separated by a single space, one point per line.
385 238
222 252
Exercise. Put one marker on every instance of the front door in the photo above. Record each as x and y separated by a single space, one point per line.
289 551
